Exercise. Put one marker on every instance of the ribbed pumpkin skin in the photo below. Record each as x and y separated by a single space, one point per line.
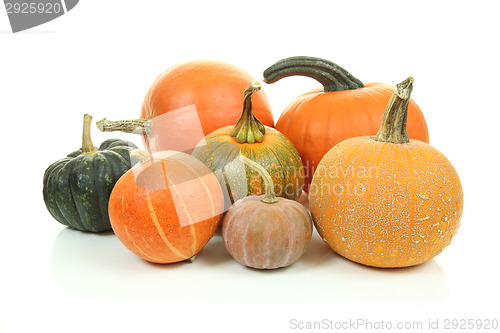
316 121
276 154
266 236
162 223
386 205
214 87
76 189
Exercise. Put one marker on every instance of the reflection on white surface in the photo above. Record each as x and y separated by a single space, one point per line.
99 266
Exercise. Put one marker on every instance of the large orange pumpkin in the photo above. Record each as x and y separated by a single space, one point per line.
388 200
343 108
190 100
167 209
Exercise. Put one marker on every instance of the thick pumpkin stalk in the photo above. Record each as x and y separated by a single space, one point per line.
140 155
137 126
87 146
393 127
269 196
249 129
329 74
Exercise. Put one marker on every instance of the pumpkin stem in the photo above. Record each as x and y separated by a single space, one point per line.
329 74
140 155
87 146
249 129
137 126
393 127
269 196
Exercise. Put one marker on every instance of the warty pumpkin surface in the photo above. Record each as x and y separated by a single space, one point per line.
388 200
343 108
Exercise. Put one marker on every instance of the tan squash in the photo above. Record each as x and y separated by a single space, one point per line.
266 232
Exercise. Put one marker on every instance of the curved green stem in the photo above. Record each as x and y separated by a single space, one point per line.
329 74
269 196
87 146
393 127
249 129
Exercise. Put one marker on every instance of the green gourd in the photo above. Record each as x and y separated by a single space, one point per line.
250 138
76 188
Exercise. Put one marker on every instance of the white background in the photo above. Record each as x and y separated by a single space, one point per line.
102 56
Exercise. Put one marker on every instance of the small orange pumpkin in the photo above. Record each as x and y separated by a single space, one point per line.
343 108
266 232
166 209
388 200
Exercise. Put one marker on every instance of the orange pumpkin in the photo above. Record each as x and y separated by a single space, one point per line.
188 101
343 108
388 200
166 209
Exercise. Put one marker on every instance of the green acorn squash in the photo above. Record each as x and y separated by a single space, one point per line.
76 189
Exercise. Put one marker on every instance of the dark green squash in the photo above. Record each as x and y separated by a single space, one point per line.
76 189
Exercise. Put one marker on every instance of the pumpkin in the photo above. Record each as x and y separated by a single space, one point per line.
263 144
188 101
166 208
266 232
344 107
76 189
387 200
